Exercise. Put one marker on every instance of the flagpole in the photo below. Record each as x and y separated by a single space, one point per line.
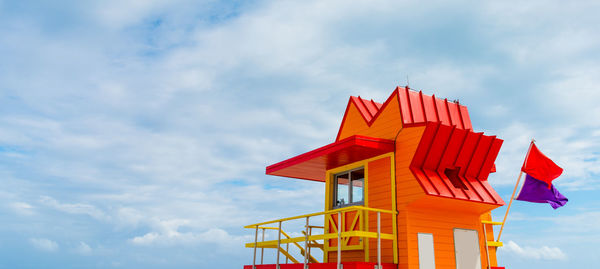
513 194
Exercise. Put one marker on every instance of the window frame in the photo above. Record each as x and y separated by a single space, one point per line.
350 192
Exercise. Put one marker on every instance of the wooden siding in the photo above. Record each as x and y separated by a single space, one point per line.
380 196
442 224
407 187
353 123
348 256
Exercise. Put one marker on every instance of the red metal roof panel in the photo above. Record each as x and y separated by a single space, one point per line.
438 147
464 114
416 107
488 165
483 147
442 111
455 118
312 165
429 107
404 102
443 147
455 143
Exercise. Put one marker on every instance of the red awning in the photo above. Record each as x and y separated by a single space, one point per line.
313 164
469 156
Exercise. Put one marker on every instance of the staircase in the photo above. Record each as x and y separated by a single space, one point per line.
286 251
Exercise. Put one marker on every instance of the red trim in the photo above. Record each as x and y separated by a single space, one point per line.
313 164
362 108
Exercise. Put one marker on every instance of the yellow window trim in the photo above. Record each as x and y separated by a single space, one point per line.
328 203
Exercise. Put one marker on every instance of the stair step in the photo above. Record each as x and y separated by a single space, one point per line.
491 222
494 244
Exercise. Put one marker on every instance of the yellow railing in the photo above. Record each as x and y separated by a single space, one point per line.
310 239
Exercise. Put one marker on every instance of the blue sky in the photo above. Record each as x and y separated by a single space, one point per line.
134 134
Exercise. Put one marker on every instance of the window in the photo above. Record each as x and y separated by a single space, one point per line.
348 188
452 174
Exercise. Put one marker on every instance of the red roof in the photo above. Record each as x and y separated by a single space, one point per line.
471 154
368 108
415 108
313 164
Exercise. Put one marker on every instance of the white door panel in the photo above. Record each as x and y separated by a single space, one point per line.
426 253
466 247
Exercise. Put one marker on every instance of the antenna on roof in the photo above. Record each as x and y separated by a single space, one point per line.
407 82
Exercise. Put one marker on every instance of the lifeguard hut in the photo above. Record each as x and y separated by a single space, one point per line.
406 186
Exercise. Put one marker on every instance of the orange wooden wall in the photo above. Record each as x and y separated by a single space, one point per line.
441 224
347 256
380 193
407 187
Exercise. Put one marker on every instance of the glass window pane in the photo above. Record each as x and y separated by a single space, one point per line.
358 178
342 189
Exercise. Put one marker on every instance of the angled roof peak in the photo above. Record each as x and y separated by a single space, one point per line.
367 108
410 107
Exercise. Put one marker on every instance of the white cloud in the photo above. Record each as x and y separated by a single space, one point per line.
83 248
215 236
22 208
77 208
146 239
129 217
44 244
538 253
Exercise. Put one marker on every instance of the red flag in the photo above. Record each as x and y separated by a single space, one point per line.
540 167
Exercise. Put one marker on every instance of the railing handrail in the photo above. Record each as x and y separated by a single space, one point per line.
343 209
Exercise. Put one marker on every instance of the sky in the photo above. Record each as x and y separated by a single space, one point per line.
135 134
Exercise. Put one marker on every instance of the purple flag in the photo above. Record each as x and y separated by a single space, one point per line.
537 191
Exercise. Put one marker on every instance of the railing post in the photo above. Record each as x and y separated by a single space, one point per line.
255 242
378 240
262 250
278 245
339 244
306 246
309 234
